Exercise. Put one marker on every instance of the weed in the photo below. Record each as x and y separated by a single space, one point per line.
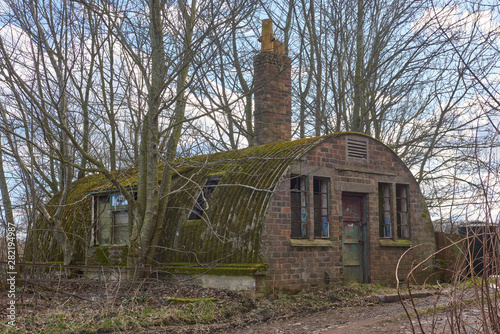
135 300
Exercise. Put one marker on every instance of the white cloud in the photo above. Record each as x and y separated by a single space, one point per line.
453 19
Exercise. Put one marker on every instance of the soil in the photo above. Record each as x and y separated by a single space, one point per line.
370 317
340 309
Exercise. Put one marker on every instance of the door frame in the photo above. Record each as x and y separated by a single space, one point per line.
364 233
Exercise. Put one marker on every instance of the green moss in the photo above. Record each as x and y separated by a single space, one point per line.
216 174
102 255
441 263
311 243
193 223
395 243
232 269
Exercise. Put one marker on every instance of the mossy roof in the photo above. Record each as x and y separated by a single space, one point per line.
230 228
230 225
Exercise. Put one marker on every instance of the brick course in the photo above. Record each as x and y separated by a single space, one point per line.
299 267
273 108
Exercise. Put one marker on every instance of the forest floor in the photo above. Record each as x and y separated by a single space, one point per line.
80 307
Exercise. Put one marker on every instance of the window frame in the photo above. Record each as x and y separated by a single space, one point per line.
403 211
299 185
321 221
385 210
105 208
114 227
396 206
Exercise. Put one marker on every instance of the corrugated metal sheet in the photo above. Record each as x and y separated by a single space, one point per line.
229 230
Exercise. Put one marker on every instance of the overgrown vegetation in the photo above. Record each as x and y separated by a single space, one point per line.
473 289
157 306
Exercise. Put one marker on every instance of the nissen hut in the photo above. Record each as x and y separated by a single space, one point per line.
285 214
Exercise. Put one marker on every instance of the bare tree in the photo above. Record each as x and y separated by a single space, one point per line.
107 90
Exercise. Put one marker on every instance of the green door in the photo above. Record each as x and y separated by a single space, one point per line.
353 238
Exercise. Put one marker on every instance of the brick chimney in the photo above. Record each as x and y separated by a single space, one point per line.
273 94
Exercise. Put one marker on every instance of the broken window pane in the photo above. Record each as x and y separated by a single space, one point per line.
201 203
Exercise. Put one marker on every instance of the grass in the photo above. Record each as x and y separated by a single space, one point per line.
128 316
143 312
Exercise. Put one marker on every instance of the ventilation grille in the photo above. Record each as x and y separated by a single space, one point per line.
357 148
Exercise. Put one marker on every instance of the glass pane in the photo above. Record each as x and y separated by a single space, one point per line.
320 198
118 200
402 211
298 205
385 210
120 227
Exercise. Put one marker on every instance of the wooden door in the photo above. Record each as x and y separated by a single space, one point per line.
353 237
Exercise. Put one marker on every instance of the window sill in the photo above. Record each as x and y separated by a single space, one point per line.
311 243
395 243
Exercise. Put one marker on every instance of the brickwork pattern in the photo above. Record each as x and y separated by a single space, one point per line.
273 98
297 267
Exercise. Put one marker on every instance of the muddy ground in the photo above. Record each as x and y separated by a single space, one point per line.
368 316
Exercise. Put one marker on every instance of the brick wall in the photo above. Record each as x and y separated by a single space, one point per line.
295 267
273 104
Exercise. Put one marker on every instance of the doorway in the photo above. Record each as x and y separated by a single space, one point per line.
354 235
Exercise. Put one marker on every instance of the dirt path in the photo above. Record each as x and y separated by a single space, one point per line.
376 318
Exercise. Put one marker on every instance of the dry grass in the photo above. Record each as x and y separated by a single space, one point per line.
149 307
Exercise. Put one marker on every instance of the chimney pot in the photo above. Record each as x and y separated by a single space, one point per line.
267 36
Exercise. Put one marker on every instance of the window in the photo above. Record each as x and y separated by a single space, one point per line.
320 197
201 203
402 211
112 223
401 224
384 203
119 228
298 194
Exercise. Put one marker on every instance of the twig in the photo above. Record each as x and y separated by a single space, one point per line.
65 293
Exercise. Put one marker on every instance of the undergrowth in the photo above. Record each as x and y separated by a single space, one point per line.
142 312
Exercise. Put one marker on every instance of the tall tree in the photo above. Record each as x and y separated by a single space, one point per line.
99 81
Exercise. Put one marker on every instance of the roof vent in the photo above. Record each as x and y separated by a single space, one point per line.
357 148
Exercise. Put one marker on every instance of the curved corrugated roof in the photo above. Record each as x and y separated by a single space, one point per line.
230 228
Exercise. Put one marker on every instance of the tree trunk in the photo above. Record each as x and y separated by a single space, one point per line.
358 112
10 228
